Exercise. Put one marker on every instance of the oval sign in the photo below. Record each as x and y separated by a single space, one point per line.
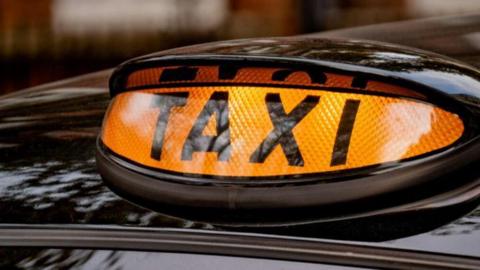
270 122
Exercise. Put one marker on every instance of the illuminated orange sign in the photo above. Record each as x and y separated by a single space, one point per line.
256 130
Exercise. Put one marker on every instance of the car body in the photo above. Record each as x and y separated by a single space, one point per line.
58 212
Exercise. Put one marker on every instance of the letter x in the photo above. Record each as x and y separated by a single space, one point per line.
283 125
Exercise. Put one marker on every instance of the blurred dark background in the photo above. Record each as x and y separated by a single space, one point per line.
47 40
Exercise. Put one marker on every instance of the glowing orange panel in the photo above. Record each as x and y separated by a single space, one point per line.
255 131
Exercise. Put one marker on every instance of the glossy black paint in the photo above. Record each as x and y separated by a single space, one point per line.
87 259
48 175
230 244
385 60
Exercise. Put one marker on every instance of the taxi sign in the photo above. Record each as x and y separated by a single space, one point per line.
240 138
256 131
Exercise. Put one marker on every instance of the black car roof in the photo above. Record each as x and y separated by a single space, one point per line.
47 147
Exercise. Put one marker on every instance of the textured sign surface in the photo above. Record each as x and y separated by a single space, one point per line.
251 131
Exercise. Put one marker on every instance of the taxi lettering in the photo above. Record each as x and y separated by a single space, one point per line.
281 135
